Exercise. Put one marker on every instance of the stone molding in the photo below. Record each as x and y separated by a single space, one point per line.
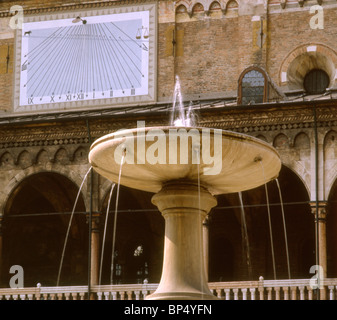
78 6
250 122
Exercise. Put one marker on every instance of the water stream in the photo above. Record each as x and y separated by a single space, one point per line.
69 226
269 220
104 234
178 112
115 219
245 237
284 227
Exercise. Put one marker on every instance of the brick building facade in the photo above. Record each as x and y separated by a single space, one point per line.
243 66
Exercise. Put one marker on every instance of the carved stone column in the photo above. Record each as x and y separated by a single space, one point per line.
320 224
95 254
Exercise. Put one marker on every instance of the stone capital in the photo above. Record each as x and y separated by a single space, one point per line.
95 216
321 206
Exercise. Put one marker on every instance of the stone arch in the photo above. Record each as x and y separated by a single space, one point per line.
35 227
232 8
16 179
298 219
330 165
258 71
302 140
301 172
24 159
198 8
80 155
304 59
281 141
105 188
330 145
214 6
42 157
302 146
6 159
61 156
183 6
331 226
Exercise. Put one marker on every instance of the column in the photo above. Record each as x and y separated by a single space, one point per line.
95 254
320 219
1 219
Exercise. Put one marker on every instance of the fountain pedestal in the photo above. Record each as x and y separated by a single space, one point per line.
183 274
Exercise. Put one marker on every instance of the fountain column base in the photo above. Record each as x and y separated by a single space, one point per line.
183 275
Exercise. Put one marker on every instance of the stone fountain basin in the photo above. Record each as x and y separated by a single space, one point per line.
245 162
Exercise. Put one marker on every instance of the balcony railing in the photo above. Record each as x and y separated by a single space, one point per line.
299 289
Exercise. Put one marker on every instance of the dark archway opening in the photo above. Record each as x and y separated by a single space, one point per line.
331 233
36 219
139 241
226 233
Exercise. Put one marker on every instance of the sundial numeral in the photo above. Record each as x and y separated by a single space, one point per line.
68 97
80 96
52 98
30 100
133 91
111 93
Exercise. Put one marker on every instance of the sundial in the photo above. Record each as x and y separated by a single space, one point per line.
80 59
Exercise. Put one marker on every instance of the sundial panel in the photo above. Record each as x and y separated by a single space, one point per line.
104 58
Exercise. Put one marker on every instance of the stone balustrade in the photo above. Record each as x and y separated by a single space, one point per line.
297 289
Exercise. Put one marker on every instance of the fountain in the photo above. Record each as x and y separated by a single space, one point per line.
185 167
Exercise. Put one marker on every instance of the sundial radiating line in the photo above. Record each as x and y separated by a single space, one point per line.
125 52
50 55
106 59
116 66
40 64
68 66
102 52
108 50
62 64
118 46
59 65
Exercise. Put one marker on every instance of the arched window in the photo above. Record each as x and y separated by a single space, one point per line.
252 87
316 81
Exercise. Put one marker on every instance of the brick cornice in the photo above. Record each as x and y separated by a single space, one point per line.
74 6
